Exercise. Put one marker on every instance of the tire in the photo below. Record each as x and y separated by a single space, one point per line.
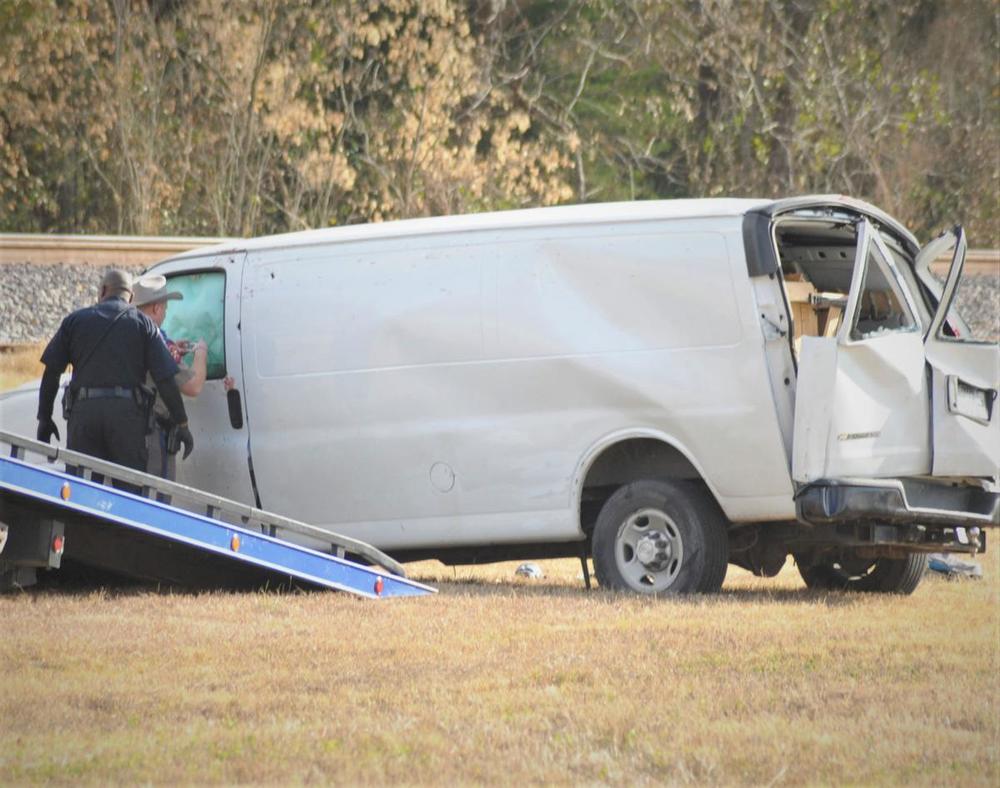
878 575
661 537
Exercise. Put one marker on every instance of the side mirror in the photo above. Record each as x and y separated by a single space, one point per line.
235 408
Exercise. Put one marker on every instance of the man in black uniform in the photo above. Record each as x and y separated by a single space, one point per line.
111 346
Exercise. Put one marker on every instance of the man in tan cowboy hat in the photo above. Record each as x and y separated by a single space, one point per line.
151 297
113 348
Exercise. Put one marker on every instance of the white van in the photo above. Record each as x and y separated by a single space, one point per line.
668 386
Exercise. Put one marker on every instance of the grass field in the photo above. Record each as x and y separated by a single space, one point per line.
19 365
500 680
503 680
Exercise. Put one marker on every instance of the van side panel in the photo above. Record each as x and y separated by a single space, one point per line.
579 293
443 391
356 308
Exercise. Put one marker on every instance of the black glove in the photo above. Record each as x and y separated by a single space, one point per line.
179 435
46 429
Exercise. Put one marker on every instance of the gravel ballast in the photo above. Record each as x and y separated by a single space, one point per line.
35 298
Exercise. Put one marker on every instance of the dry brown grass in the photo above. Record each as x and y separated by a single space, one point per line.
505 681
19 365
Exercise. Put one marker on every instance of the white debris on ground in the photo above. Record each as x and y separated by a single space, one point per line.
533 571
35 298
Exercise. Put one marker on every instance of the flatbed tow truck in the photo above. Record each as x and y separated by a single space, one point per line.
99 515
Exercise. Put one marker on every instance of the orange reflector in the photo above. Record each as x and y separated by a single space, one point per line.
234 543
64 492
57 544
379 585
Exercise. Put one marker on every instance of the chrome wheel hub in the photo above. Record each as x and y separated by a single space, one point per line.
649 550
653 551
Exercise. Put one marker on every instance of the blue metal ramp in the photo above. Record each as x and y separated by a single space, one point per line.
170 533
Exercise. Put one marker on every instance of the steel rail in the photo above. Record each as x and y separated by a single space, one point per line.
145 250
978 262
124 250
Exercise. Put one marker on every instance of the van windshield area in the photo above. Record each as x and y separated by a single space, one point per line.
818 265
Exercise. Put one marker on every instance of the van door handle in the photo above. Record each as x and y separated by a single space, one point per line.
235 403
970 401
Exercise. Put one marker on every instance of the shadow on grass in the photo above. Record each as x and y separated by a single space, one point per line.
78 580
74 583
116 587
777 596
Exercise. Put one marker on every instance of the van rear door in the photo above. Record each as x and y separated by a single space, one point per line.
885 399
862 403
965 376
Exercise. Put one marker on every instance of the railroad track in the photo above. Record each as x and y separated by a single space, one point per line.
135 250
978 262
97 250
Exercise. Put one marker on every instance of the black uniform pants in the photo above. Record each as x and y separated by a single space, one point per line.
109 428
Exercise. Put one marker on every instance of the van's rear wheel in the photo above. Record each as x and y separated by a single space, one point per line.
661 537
877 575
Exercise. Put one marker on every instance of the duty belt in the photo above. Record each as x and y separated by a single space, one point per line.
103 393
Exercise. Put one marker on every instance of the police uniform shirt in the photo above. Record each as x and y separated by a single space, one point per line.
130 347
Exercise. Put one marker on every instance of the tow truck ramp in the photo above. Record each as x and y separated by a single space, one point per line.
100 515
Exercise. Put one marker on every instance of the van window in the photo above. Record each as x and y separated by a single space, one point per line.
881 307
817 261
200 315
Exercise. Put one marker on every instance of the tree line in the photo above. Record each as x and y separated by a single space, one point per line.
187 117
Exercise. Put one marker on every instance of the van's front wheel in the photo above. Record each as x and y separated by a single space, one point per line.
661 537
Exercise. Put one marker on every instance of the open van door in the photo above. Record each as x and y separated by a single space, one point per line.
885 400
965 376
863 400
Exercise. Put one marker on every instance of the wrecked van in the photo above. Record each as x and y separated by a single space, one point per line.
667 387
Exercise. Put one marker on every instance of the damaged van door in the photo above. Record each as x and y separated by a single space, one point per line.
863 401
964 383
890 399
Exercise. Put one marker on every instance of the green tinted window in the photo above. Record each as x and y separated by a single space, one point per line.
200 315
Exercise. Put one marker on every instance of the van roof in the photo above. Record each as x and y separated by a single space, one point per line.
642 210
588 213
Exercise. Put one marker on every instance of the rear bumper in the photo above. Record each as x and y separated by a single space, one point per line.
897 502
